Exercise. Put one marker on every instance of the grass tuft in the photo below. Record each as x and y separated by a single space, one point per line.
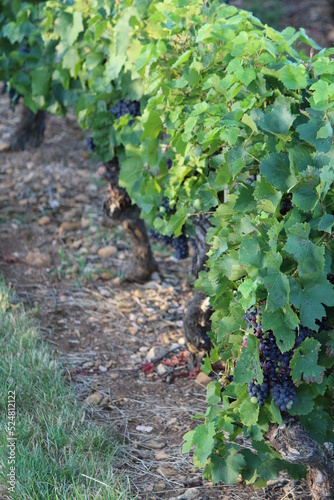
58 454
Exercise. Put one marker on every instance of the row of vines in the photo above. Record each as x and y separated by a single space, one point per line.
202 113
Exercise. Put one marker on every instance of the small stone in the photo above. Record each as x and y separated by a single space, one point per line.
4 146
114 376
116 281
94 399
84 223
107 252
103 368
143 349
161 369
44 221
182 341
161 455
203 379
153 443
37 259
166 471
107 276
133 330
155 353
159 487
189 494
88 364
73 342
69 226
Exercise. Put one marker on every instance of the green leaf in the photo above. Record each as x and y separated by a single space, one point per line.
305 195
152 125
309 133
305 400
277 285
249 412
326 223
294 76
309 256
304 363
226 469
183 58
189 441
40 81
177 221
309 294
277 119
213 395
203 438
277 171
71 61
283 325
248 364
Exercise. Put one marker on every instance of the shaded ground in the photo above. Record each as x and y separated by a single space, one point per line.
64 261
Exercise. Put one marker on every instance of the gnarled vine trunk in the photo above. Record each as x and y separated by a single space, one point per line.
119 209
30 132
197 312
295 445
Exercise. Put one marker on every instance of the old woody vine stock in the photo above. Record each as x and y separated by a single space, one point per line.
226 117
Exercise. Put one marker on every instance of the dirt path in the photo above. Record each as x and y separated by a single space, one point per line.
63 259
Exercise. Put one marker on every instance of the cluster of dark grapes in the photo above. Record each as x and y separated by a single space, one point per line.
161 238
90 144
181 248
286 204
169 163
126 107
251 179
179 243
275 365
12 94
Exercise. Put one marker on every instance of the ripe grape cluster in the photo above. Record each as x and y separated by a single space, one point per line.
286 204
90 144
275 365
179 243
126 107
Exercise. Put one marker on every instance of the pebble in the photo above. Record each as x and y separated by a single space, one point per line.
37 259
153 443
161 455
94 399
69 226
203 379
107 252
161 369
188 494
155 353
166 471
44 221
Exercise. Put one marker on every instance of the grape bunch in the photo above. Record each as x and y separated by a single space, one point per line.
161 238
286 204
90 144
180 243
275 365
251 179
126 107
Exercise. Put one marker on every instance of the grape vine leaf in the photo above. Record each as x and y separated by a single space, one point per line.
277 119
203 438
309 133
305 400
304 363
309 256
177 220
282 323
309 294
248 364
213 395
227 468
277 285
249 412
277 171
